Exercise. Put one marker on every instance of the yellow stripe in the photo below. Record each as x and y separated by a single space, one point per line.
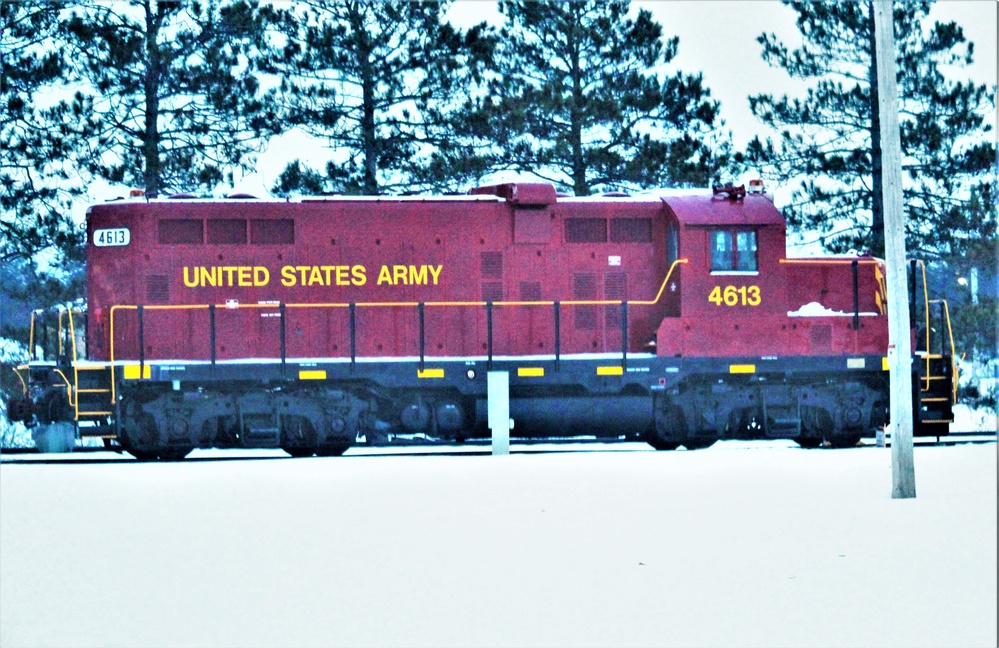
312 375
884 363
616 370
132 372
430 373
531 372
741 369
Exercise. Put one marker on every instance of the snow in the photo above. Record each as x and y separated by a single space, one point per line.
740 544
815 309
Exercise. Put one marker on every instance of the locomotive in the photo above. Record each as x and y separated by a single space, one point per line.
314 324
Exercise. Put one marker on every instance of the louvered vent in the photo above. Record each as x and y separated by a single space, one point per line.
615 287
586 230
492 291
631 230
492 265
584 286
821 337
530 291
157 288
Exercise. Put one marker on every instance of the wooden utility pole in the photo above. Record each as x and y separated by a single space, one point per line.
903 475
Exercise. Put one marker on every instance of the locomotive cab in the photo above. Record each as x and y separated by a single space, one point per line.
733 243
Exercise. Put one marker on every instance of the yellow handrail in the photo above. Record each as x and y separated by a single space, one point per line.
69 388
926 310
953 353
24 385
111 312
31 338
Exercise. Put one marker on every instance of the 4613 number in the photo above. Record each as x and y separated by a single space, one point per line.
735 296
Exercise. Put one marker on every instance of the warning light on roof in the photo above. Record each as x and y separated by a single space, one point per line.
756 186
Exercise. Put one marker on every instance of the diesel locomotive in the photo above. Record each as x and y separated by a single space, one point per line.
314 324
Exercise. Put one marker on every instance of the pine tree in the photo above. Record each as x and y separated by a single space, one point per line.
577 97
370 79
172 90
36 184
830 139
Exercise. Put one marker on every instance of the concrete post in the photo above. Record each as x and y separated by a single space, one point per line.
498 403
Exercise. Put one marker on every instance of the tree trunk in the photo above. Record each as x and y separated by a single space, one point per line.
151 140
368 131
579 184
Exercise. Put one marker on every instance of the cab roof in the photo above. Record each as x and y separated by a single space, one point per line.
753 209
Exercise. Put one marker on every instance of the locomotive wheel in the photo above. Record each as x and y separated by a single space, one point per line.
174 454
332 449
659 444
140 438
808 442
698 444
299 452
844 440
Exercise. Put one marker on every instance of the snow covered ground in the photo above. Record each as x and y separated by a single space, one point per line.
740 544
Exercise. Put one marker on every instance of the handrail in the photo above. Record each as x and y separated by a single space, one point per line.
24 385
69 388
72 332
604 302
926 309
953 353
832 261
31 338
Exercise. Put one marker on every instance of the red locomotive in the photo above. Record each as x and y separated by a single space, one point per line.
310 324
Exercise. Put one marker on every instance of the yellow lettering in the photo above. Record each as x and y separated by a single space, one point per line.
228 270
288 276
417 276
188 282
384 276
400 274
357 274
243 272
328 270
208 276
435 272
315 277
261 276
341 275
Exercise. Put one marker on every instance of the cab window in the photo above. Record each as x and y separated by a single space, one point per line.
733 250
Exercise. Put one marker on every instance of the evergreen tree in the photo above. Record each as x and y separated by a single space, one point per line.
36 183
172 90
577 97
370 79
830 139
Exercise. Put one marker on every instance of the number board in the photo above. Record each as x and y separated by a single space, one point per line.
735 296
117 236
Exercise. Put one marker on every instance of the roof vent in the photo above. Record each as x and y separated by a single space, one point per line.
731 191
520 194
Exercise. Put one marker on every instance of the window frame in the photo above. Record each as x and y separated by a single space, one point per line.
734 253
